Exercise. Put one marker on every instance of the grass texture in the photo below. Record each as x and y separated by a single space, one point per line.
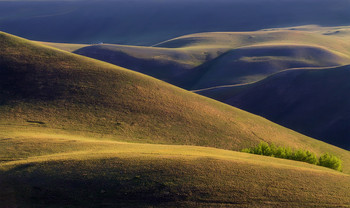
73 133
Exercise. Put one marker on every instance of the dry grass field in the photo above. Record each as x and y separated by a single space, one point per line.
77 132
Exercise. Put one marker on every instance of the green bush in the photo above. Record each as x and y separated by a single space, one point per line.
330 161
311 158
326 160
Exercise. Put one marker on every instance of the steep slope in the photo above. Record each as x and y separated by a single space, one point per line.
312 101
62 115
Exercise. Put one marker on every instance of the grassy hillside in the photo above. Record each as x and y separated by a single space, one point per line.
73 133
266 37
312 101
70 47
213 59
170 65
252 63
254 56
90 173
342 32
53 89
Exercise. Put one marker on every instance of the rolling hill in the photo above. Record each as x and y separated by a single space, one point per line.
73 132
312 101
287 36
337 31
253 63
167 64
63 91
110 174
206 60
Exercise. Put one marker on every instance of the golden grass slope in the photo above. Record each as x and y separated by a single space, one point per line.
336 31
263 37
91 173
50 90
63 91
73 133
70 47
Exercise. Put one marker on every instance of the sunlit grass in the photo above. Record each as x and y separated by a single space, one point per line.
77 131
169 174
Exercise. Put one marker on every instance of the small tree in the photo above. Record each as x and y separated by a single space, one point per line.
330 161
265 148
280 152
289 153
311 158
299 155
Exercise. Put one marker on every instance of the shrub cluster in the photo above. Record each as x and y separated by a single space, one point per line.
326 160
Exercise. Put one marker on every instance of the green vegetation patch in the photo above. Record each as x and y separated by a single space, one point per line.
326 160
